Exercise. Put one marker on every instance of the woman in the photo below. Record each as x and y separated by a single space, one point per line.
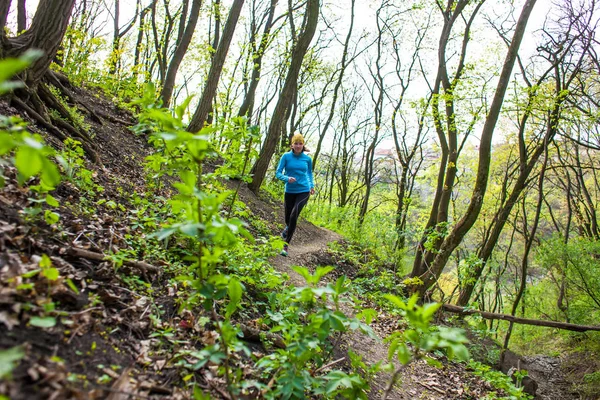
295 169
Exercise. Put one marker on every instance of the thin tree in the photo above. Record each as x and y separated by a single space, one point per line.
216 67
287 95
430 271
182 44
340 78
257 54
565 63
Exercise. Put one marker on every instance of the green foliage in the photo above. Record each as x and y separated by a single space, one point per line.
196 218
302 318
9 359
12 66
590 385
575 262
422 339
73 158
499 381
237 148
31 157
75 115
27 152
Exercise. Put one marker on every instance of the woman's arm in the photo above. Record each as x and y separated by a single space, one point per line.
279 173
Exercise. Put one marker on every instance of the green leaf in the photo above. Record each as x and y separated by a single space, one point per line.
51 217
395 300
43 322
28 161
367 314
320 272
50 174
31 273
303 271
429 309
51 274
404 354
164 233
234 290
7 143
71 285
51 201
45 262
191 229
10 67
459 351
9 358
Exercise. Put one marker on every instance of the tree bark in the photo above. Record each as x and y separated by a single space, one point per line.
21 16
216 67
4 8
286 98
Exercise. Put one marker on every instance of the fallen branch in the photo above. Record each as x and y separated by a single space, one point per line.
90 255
526 321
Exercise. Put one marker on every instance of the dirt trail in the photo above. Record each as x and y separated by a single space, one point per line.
418 380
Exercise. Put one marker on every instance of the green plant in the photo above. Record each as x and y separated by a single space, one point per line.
422 339
196 219
73 164
307 326
32 158
8 360
498 380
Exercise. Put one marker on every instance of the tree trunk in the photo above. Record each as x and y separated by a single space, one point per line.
21 16
528 159
286 98
338 85
4 8
247 106
216 67
526 321
46 33
182 47
466 222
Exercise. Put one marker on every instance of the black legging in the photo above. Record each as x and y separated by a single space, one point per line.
293 204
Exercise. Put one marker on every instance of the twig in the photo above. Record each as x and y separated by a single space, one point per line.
392 382
440 391
331 364
144 266
221 392
271 383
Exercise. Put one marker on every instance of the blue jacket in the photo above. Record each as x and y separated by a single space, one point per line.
299 167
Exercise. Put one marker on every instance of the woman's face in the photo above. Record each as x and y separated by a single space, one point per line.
297 147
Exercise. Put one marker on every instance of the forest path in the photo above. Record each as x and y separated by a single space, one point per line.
306 250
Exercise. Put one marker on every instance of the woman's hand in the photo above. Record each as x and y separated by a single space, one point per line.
291 179
312 191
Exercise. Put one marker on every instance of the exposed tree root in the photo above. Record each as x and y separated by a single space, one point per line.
36 104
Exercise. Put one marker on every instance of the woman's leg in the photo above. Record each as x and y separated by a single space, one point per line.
294 202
